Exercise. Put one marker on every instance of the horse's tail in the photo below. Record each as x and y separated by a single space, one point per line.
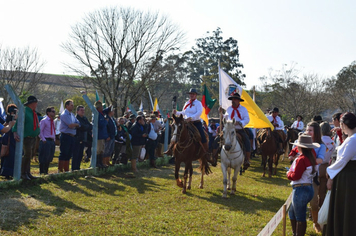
204 166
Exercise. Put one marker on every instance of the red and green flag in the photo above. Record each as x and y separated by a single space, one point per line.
207 103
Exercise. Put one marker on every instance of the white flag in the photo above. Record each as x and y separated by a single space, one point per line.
2 112
62 108
141 106
227 87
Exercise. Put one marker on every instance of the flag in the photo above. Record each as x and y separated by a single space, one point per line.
227 87
2 110
61 109
97 96
141 106
155 106
208 104
128 105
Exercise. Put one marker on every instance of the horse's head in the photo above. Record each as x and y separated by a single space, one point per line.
179 124
229 134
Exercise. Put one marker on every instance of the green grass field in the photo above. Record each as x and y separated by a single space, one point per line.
147 203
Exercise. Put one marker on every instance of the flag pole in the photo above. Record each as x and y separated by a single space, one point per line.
149 94
220 108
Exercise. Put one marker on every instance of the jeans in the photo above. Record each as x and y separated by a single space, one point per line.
150 148
301 196
199 126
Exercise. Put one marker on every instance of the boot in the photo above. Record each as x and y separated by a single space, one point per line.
60 166
247 161
133 165
28 169
99 159
153 163
23 170
294 227
281 150
301 228
169 152
316 226
66 166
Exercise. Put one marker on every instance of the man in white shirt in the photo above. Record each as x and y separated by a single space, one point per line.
242 118
191 112
152 140
278 128
298 124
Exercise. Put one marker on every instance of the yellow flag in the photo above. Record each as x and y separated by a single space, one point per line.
155 106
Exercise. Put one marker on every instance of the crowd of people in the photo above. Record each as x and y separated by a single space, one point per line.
321 156
119 140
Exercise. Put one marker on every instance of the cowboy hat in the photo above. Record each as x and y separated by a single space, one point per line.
31 99
275 109
192 90
305 141
108 109
301 117
317 119
236 95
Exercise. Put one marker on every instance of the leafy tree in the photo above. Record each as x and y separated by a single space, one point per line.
119 49
343 88
203 61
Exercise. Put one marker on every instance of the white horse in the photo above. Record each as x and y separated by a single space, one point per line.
231 156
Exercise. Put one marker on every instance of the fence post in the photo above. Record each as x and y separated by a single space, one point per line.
284 219
95 131
20 130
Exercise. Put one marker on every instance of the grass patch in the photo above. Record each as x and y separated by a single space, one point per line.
148 203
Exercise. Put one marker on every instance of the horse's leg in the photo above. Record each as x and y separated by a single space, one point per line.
228 178
186 169
190 176
270 165
264 159
201 186
234 179
224 170
176 174
276 163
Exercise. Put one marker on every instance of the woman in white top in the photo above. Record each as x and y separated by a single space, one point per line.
330 147
342 183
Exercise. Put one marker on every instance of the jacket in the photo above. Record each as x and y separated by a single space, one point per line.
137 131
83 130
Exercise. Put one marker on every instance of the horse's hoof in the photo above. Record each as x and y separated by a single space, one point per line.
184 191
189 188
228 188
263 175
232 193
269 176
224 196
201 186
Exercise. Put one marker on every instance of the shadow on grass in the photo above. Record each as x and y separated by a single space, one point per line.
249 204
15 207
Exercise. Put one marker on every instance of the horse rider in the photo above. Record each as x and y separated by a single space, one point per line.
298 124
242 118
191 112
278 128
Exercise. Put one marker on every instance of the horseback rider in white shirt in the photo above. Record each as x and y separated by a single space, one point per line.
278 128
242 118
298 124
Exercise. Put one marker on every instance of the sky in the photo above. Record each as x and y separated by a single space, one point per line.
317 36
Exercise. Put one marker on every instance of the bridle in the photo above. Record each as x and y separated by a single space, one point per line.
233 133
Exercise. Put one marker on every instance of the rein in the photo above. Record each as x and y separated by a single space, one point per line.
180 145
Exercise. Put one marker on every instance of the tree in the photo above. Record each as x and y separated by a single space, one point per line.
343 88
293 94
203 60
20 68
120 47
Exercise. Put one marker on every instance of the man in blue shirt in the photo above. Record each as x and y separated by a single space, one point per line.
68 130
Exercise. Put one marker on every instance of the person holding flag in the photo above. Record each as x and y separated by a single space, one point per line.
242 118
191 112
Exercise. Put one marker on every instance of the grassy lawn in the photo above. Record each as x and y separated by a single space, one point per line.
147 203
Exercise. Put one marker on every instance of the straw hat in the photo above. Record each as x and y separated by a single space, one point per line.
305 141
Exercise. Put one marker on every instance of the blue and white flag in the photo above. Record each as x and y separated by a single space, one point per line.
141 106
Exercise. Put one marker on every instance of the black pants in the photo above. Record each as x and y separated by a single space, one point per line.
77 155
45 155
151 147
199 126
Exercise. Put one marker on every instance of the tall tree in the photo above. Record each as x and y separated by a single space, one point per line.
20 68
121 47
204 58
295 94
343 88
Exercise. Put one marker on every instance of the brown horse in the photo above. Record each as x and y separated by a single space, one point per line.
292 135
188 149
268 144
